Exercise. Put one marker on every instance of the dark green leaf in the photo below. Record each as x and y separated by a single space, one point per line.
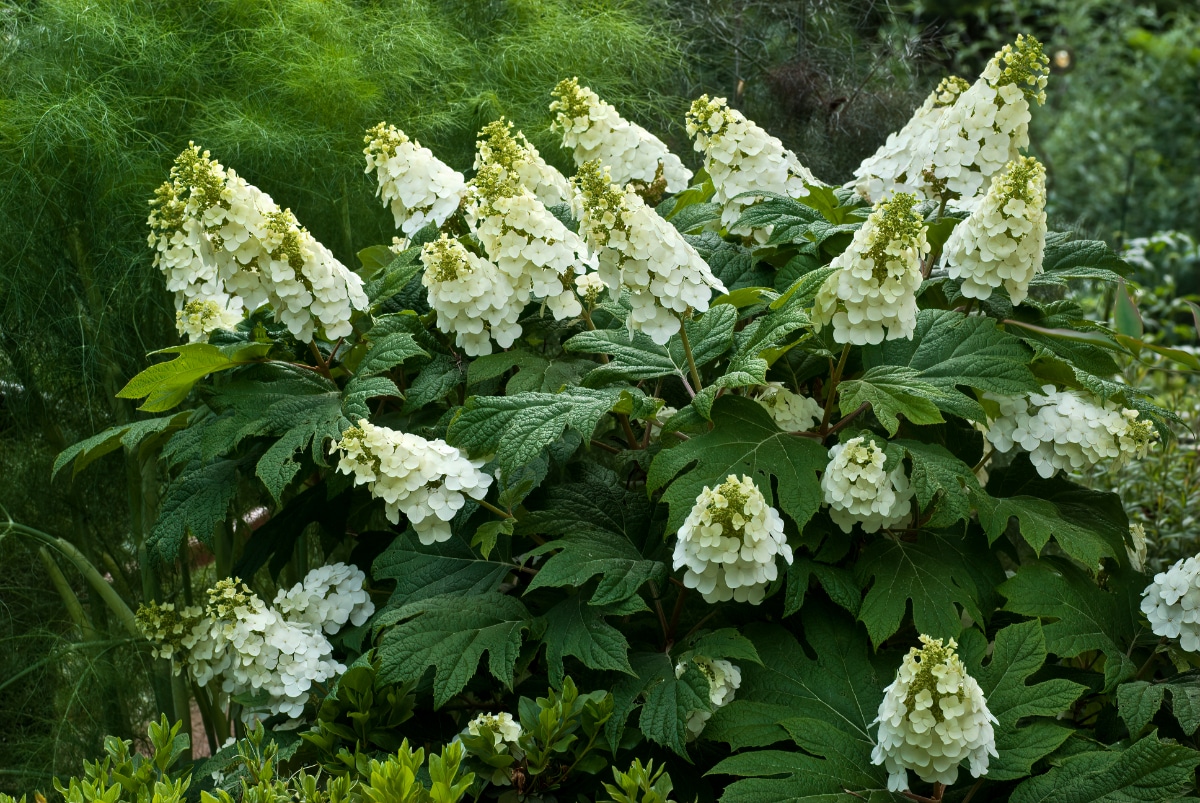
195 503
892 390
388 352
574 627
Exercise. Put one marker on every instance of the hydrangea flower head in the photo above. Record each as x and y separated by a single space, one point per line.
427 481
1001 243
791 412
419 188
1068 430
932 717
474 300
594 130
874 289
859 490
1172 603
740 157
201 317
640 251
724 679
729 542
515 154
328 598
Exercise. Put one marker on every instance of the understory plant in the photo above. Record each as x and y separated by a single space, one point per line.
784 475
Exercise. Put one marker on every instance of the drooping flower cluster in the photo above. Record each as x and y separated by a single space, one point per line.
878 276
640 251
988 125
1068 430
899 163
219 239
514 153
594 130
427 481
419 188
729 542
790 411
252 649
526 241
932 717
741 157
1172 603
724 679
474 300
1003 239
859 490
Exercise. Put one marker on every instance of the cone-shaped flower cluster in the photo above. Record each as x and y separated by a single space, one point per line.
516 155
1068 430
1172 603
724 678
790 411
1003 239
643 253
877 279
859 490
253 649
526 241
741 157
419 188
593 130
219 239
899 164
932 717
427 481
729 542
474 300
200 318
988 125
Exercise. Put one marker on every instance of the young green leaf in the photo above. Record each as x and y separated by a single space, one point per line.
168 383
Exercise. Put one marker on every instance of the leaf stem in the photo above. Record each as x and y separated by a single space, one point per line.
322 367
987 455
834 379
675 614
939 789
501 513
971 792
662 617
687 349
605 446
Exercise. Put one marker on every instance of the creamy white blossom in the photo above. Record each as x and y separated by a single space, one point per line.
589 287
791 412
932 717
1067 430
875 286
201 317
474 300
724 678
418 187
741 157
593 130
729 542
502 726
988 125
859 490
1001 243
642 253
328 597
900 162
218 238
526 241
428 481
516 155
1137 549
1172 603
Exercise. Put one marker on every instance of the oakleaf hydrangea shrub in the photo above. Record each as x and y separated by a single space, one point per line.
786 474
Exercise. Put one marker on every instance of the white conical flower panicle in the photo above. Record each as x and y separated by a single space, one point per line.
516 155
988 125
474 300
899 164
592 129
219 239
1172 603
200 318
253 650
419 188
526 241
932 717
859 490
1001 243
791 412
1068 430
427 481
724 678
875 286
729 542
741 157
643 253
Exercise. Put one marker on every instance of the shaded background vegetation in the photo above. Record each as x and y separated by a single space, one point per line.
97 97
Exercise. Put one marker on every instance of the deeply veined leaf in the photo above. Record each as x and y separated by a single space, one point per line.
891 391
576 628
126 436
1139 700
388 352
195 503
